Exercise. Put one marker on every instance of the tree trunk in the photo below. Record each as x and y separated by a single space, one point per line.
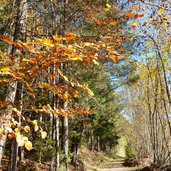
10 98
98 143
57 145
92 139
14 147
65 137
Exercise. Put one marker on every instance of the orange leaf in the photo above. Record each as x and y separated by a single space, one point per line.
11 135
98 22
114 8
141 15
136 7
9 41
68 38
136 16
1 135
30 48
112 22
128 11
131 14
92 53
6 39
89 18
114 59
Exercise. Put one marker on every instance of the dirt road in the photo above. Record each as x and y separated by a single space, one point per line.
112 166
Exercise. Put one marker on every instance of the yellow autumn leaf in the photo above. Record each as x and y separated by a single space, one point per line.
47 42
43 134
107 7
57 38
71 48
2 54
90 92
36 128
87 44
25 138
135 24
28 60
95 62
17 111
28 145
161 10
5 70
27 129
61 74
21 142
65 96
136 7
76 57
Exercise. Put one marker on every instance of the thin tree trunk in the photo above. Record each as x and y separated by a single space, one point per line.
14 147
57 145
10 98
65 136
98 143
92 139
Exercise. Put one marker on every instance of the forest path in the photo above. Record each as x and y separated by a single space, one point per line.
111 166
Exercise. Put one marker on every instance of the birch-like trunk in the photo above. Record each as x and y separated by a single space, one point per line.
14 147
57 145
64 141
10 98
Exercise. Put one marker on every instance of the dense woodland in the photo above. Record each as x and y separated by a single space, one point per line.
79 73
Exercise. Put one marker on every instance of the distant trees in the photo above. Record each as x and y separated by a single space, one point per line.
148 108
